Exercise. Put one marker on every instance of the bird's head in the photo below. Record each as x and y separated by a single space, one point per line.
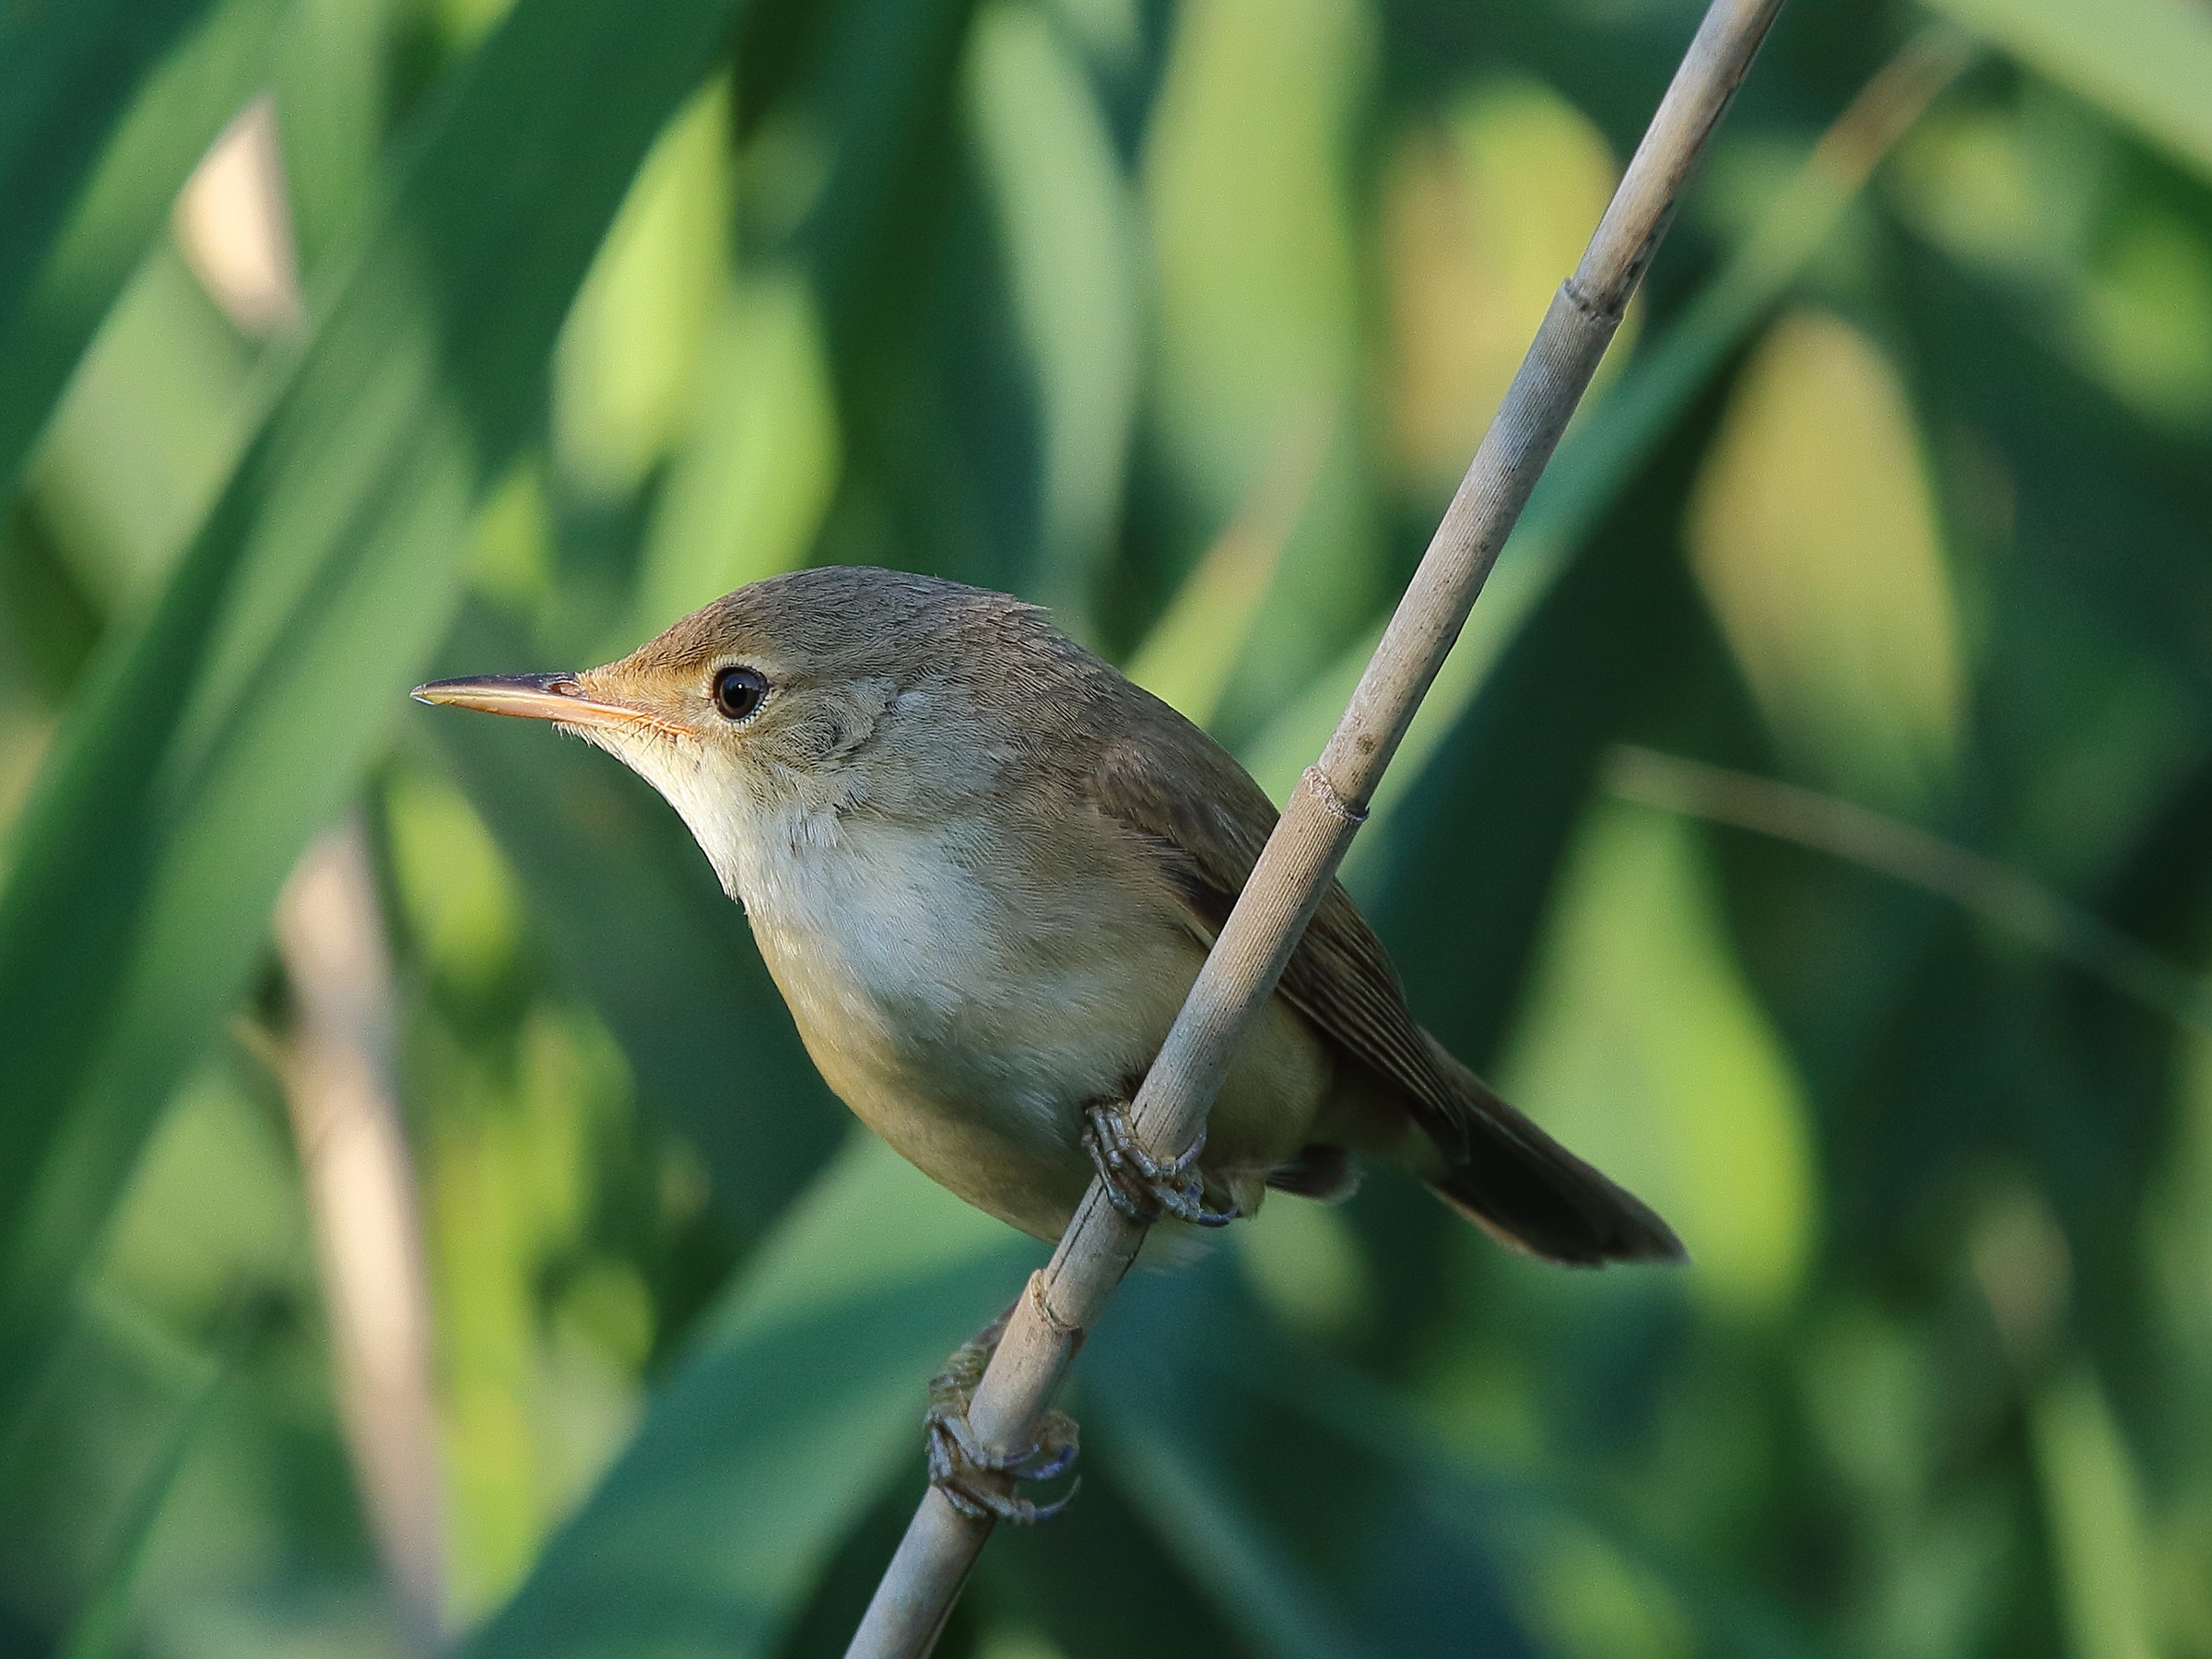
794 701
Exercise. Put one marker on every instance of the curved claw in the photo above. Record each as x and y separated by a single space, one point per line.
973 1476
1141 1187
963 1469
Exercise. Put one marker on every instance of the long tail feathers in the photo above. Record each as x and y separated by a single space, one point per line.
1531 1195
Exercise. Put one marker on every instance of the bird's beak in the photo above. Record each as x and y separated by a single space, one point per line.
556 696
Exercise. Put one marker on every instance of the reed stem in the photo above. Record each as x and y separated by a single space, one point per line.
1066 1298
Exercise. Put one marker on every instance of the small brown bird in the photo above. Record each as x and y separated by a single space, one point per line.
984 868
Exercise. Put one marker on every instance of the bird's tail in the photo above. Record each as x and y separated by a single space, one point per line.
1530 1194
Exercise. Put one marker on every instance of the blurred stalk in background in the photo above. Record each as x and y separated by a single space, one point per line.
359 1183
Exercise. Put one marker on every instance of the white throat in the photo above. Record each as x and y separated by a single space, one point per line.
754 844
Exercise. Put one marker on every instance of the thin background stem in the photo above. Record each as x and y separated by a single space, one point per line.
360 1183
1906 852
1067 1296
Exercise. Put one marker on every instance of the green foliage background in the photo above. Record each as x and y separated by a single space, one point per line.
1182 318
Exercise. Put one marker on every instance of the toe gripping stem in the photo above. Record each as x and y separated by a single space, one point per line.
976 1480
1143 1188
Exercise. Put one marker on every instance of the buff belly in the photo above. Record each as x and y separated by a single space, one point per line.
971 1034
997 1154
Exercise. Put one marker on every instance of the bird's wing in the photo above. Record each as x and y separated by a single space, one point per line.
1205 820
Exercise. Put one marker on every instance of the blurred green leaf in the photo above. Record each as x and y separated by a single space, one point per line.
1188 657
1071 241
105 106
2147 61
102 1628
332 86
1903 853
746 490
1252 242
1814 537
1504 1505
1643 1049
2093 1496
169 382
650 940
884 83
1244 178
1458 889
891 230
1304 1550
1614 438
1196 1505
233 719
626 369
801 1397
66 73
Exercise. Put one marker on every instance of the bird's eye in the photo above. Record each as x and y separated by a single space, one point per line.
738 691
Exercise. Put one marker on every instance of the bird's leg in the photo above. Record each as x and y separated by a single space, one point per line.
975 1480
1139 1186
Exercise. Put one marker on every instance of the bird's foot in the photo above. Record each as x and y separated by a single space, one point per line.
1140 1186
976 1480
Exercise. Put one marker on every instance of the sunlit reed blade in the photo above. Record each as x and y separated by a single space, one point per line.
250 693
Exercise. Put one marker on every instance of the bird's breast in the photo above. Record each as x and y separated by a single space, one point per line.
930 973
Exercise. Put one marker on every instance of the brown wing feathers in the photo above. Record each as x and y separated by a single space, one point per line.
1504 1171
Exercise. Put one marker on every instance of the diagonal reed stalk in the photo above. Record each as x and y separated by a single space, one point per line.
1067 1296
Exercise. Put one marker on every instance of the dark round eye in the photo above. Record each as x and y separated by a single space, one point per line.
738 691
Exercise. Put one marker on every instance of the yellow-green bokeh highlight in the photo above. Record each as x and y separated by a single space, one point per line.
1644 1050
1069 227
1485 210
1256 308
751 481
215 1201
1924 1551
626 365
1245 181
676 362
1591 1600
537 1397
1307 1263
509 551
460 897
1189 655
167 383
2123 277
2144 322
537 1393
2094 1507
1813 532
